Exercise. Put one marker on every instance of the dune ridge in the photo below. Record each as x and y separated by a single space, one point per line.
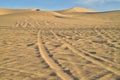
76 9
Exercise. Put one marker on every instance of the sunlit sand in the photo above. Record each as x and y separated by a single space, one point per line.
72 44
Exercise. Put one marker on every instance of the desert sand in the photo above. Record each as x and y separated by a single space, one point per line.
72 44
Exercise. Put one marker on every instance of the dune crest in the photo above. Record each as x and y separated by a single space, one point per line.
76 9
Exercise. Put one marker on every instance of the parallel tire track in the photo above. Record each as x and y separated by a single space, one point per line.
109 42
21 71
99 62
97 57
50 61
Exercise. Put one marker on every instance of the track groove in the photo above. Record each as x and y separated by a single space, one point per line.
50 61
22 71
109 42
109 67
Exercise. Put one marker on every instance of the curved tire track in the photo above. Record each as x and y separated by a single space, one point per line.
50 61
92 59
21 71
109 42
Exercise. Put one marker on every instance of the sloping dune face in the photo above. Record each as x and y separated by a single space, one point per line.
76 9
11 16
27 11
72 18
13 11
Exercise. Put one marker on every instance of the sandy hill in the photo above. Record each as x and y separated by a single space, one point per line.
76 9
57 19
106 14
11 12
10 16
4 11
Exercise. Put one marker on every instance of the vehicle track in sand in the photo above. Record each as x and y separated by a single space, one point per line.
63 59
111 42
25 59
61 73
85 56
95 44
107 37
107 65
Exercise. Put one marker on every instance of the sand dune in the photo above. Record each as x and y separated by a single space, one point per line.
4 11
59 45
26 11
54 19
76 9
10 16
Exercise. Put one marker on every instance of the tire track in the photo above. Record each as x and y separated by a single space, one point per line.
113 35
109 42
24 22
75 68
115 55
58 54
24 60
80 72
108 35
21 71
106 60
110 67
115 45
50 61
99 75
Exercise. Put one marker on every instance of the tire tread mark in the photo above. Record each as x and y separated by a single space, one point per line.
50 61
21 71
109 68
108 40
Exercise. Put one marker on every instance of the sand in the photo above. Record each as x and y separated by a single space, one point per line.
75 9
69 45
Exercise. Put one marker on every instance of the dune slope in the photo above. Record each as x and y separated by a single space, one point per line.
76 9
